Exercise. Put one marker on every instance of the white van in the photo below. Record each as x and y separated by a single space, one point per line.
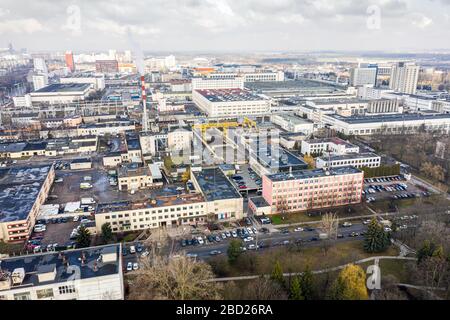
85 185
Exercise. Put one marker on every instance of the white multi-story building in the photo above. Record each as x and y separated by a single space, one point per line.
40 66
263 76
93 273
383 106
292 123
362 76
179 138
358 160
39 81
404 77
214 84
230 102
388 124
313 189
97 81
441 106
334 146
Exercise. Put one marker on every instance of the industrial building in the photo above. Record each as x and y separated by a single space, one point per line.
388 124
93 273
22 191
61 93
334 146
313 189
230 102
358 160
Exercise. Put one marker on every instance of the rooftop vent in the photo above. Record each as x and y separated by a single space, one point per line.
46 273
17 276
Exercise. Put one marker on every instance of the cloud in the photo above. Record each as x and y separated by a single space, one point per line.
27 26
421 21
113 27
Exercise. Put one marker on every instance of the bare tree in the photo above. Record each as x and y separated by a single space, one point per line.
264 289
329 224
177 278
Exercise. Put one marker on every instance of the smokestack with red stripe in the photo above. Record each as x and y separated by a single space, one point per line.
144 105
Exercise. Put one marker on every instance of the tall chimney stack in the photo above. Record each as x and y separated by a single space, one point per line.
144 105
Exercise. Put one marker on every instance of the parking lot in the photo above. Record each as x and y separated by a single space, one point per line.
391 188
246 180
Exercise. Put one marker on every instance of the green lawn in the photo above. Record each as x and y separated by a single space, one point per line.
302 216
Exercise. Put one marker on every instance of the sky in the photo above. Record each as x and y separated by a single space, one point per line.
226 25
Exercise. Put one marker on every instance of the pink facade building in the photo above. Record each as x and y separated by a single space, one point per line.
313 189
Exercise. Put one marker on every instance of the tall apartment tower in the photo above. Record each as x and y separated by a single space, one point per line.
40 65
70 64
404 77
364 75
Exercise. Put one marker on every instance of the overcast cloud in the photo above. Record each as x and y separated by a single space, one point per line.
231 25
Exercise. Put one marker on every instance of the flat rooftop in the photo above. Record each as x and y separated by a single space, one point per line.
391 118
314 173
19 188
350 156
339 101
48 262
259 202
229 95
333 140
64 88
156 202
215 185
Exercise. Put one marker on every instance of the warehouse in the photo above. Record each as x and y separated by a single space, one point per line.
230 102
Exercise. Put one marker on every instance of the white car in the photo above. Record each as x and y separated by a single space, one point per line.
129 266
298 229
387 229
234 234
200 240
347 224
250 231
248 239
145 253
76 218
135 266
228 234
252 247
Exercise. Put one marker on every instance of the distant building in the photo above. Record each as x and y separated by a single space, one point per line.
230 102
363 75
40 66
70 63
106 66
404 77
40 81
213 84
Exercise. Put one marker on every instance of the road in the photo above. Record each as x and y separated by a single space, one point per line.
272 240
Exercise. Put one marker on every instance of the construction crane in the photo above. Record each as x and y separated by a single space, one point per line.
225 125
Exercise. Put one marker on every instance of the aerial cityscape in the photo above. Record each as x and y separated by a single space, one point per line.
225 150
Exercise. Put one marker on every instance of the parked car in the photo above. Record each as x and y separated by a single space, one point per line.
298 229
129 266
215 252
135 266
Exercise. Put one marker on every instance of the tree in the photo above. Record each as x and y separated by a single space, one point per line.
83 239
296 290
263 288
350 284
186 175
310 161
107 234
375 239
306 283
180 278
234 250
277 274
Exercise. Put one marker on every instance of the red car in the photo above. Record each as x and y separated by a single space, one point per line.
243 187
